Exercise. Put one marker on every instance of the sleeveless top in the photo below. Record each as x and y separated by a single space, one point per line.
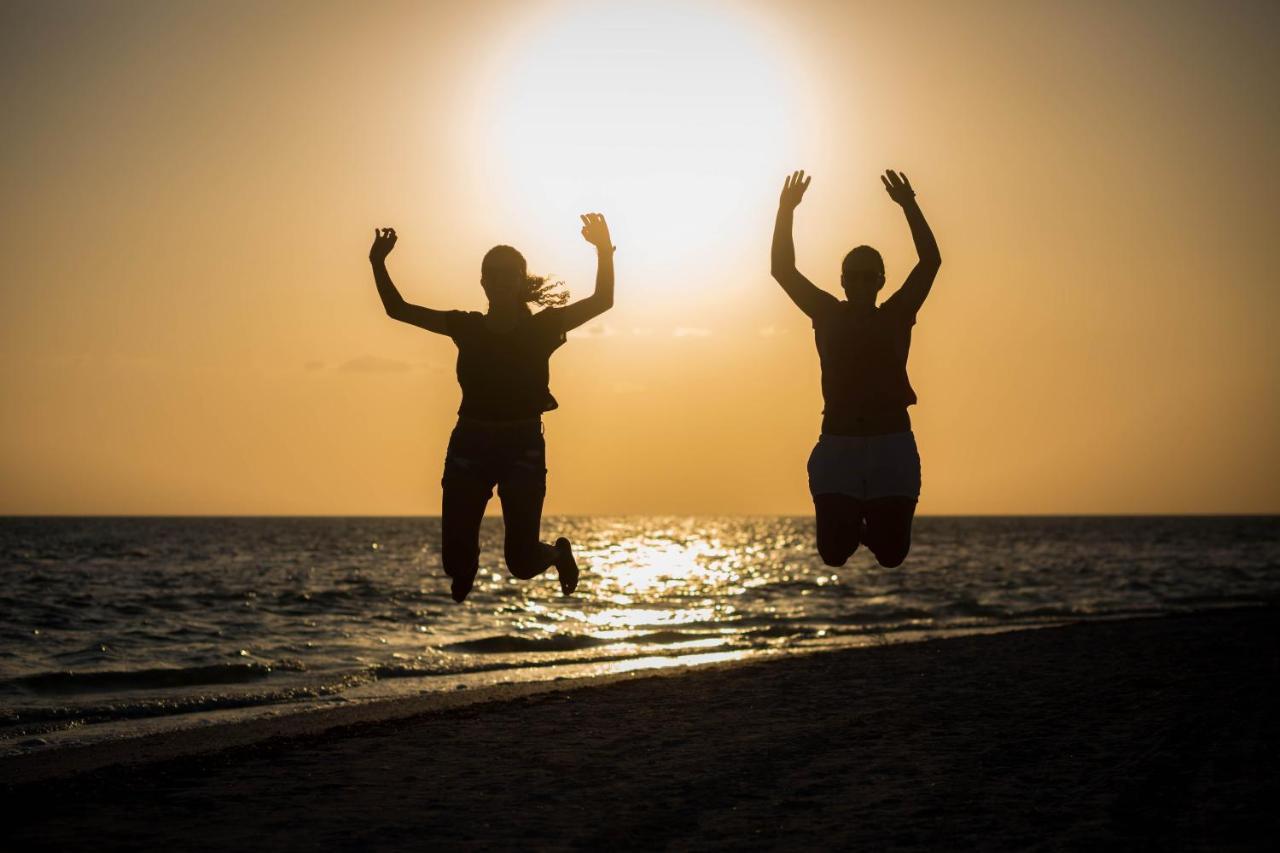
504 375
864 361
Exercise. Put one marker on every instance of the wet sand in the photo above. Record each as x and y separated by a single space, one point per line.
1136 734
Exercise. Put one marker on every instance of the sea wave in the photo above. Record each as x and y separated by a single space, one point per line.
76 682
514 644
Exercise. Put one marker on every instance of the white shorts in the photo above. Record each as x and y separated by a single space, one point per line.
870 466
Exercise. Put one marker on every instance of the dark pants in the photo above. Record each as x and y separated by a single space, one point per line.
882 524
513 458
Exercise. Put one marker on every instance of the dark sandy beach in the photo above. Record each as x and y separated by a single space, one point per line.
1139 734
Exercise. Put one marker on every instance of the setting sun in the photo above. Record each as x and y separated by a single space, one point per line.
653 112
191 327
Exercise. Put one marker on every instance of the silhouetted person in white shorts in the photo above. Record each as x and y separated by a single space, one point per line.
864 472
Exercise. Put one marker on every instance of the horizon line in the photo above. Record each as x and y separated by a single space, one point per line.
176 516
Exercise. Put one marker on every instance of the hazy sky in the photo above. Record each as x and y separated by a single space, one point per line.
188 323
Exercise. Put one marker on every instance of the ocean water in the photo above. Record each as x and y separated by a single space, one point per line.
110 624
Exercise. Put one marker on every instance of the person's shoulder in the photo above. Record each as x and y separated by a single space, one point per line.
550 324
550 318
829 309
462 322
897 308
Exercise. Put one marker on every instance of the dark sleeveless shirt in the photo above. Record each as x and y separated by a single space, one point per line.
504 375
864 362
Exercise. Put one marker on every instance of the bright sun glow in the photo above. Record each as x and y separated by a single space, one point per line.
657 114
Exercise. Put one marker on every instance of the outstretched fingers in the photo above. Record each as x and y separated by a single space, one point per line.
594 229
793 188
893 180
897 185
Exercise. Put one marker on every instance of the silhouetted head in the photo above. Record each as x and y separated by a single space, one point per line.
862 274
504 275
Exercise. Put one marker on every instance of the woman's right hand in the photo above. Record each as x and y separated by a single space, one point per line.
384 240
793 190
596 231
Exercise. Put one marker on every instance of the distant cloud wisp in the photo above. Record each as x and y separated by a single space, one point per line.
376 364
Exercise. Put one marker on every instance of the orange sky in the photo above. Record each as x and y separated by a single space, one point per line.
188 323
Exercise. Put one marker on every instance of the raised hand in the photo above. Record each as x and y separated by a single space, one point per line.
897 186
793 190
596 231
384 240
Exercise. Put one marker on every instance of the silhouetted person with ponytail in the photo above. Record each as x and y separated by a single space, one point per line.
503 370
864 472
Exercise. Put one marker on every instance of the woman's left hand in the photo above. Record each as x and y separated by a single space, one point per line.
596 231
898 187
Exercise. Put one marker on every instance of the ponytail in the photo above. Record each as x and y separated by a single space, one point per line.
542 290
503 264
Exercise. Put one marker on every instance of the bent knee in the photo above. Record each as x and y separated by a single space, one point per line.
891 558
835 556
523 563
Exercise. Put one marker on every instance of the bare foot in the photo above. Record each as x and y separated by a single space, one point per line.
460 587
566 566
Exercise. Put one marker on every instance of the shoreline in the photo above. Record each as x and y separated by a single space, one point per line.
86 745
205 734
170 736
1152 730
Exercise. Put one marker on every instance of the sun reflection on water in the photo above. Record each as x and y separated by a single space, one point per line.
669 591
645 566
661 662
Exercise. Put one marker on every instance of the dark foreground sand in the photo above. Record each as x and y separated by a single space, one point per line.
1155 734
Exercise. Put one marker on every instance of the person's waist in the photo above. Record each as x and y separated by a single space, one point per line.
525 422
860 423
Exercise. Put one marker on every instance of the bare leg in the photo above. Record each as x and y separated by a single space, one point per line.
839 523
889 528
461 513
527 557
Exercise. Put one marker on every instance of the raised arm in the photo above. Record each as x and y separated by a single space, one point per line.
596 232
782 262
384 240
920 280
